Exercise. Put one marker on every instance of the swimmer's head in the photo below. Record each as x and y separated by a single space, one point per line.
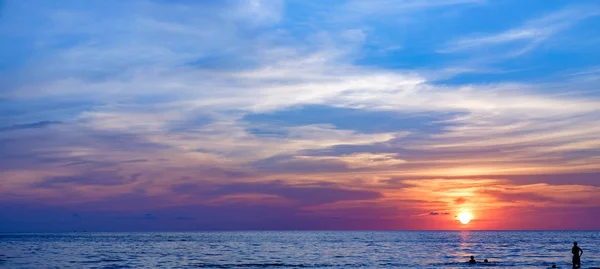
486 260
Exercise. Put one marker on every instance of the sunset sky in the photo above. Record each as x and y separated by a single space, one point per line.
156 115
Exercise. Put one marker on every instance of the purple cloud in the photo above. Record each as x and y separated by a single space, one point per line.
303 194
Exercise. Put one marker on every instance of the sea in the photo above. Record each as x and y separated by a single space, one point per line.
298 249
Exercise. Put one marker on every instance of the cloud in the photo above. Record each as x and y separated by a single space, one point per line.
261 11
291 164
360 120
92 178
483 112
72 145
513 197
223 217
435 213
529 35
460 200
304 194
149 216
324 204
35 125
381 8
359 160
204 105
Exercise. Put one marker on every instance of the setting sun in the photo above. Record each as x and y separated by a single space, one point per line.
465 217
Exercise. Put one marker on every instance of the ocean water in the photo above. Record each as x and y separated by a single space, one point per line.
302 249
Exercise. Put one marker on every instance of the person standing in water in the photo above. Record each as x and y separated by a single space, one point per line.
577 252
472 260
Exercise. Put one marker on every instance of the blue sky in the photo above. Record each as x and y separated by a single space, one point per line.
270 104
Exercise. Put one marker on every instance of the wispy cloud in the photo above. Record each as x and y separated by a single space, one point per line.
175 100
528 36
35 125
386 7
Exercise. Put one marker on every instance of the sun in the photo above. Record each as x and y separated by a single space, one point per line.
464 217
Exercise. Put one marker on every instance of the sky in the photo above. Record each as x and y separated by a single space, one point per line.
155 115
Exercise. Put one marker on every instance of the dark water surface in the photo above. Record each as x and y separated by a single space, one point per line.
320 249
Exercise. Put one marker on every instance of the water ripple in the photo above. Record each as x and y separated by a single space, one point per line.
296 249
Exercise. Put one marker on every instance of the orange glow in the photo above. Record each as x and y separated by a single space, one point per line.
465 217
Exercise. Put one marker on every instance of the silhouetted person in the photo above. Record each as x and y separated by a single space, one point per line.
472 260
486 260
577 252
553 265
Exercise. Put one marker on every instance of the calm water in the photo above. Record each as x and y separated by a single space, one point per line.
296 249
